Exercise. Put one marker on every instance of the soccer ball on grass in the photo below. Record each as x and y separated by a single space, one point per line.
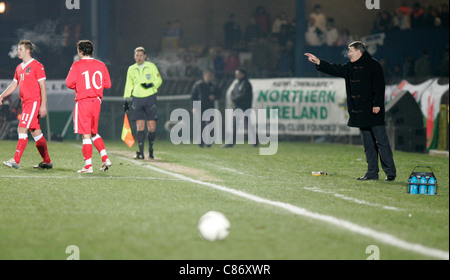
213 226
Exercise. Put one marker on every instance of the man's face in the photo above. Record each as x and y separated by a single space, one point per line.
354 54
238 74
22 51
140 57
207 77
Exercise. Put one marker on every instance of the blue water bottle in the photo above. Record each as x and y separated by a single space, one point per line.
413 185
423 185
432 186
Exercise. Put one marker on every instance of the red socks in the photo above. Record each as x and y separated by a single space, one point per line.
41 145
87 152
100 145
21 145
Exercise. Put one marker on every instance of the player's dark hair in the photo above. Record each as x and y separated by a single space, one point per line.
28 45
358 45
86 47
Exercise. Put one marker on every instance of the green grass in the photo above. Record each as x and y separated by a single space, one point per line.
134 212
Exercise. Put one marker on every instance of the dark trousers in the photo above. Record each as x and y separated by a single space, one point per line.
376 143
252 133
208 137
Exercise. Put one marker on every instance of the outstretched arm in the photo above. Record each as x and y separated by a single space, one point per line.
325 67
312 58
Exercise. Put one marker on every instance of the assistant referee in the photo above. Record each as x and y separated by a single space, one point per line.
143 81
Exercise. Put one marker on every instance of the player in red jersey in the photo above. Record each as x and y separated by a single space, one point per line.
30 78
88 77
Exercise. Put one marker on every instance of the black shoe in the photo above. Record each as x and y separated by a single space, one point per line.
365 178
390 178
44 165
150 154
139 156
227 146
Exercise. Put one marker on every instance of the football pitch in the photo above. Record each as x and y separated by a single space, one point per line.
278 211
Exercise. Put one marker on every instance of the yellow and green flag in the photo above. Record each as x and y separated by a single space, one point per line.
127 135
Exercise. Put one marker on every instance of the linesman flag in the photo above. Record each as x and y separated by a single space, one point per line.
127 136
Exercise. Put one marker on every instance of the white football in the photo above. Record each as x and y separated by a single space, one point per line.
213 226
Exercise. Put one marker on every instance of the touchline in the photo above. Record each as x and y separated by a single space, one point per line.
180 133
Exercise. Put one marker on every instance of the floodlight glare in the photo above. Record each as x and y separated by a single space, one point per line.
2 7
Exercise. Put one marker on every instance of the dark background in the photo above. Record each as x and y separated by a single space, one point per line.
117 27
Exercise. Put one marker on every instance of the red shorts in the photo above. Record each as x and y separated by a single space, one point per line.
30 116
86 115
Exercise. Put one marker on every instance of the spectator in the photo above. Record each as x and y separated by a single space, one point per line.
417 17
205 62
387 71
172 36
253 32
320 20
408 67
219 64
443 15
314 36
397 74
404 8
286 63
401 20
422 66
293 28
242 98
431 18
261 57
206 92
232 63
332 34
263 20
443 65
278 23
345 38
285 36
383 22
232 32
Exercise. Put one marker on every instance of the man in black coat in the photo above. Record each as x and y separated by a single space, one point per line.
365 86
242 97
205 92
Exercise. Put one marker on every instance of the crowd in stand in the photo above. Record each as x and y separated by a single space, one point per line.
418 69
321 30
270 43
415 17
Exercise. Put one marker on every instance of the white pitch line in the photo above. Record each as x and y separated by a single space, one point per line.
380 236
87 176
355 200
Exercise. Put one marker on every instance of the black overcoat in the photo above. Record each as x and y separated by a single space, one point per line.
365 85
242 95
201 91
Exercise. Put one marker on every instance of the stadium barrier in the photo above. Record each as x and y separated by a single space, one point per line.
310 109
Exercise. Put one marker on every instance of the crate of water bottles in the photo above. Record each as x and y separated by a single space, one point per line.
422 182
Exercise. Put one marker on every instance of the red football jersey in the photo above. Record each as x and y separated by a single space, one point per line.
28 77
88 77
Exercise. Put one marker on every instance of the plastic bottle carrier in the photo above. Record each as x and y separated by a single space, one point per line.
422 182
